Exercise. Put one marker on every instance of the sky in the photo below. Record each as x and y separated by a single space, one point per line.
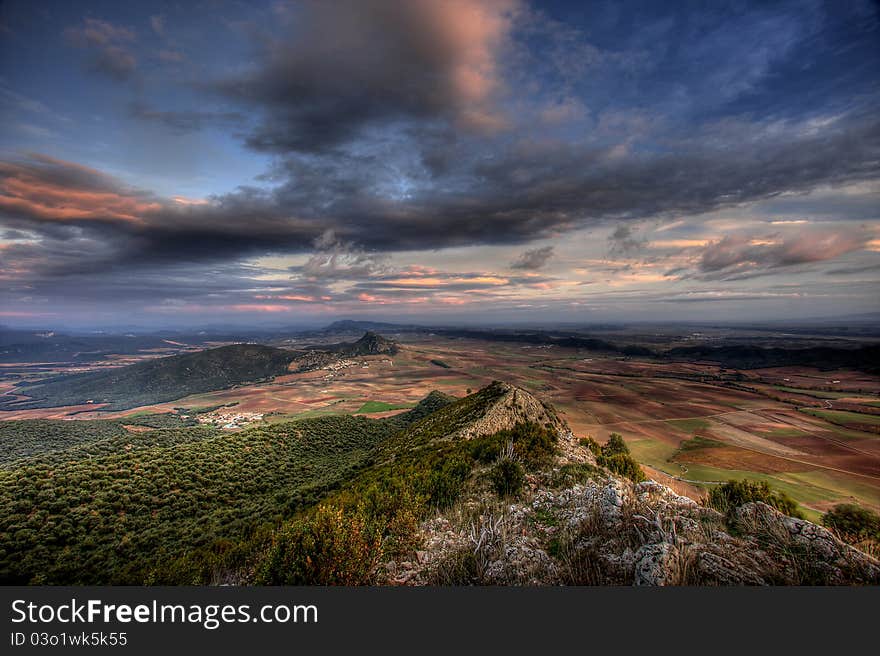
217 162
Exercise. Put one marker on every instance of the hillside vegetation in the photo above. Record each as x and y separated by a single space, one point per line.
489 489
90 502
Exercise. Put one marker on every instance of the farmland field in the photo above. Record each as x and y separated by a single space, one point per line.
692 424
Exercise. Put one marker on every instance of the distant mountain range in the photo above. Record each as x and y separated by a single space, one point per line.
177 376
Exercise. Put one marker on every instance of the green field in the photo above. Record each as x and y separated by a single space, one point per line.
381 406
782 432
654 454
807 488
689 425
843 417
819 394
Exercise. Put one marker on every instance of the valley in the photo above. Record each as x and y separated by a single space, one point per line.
244 438
810 432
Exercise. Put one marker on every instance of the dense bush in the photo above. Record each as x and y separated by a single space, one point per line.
160 420
592 445
27 438
533 445
614 455
733 494
330 546
507 477
194 505
853 523
624 465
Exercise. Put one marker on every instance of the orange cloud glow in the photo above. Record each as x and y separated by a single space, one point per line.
22 192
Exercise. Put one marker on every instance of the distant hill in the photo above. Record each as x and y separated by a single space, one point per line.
156 381
355 326
864 358
370 344
50 346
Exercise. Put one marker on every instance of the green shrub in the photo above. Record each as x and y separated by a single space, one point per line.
615 445
591 444
443 486
623 464
733 494
614 455
533 445
328 547
507 477
853 523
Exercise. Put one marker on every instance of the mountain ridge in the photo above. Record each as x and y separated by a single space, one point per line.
159 380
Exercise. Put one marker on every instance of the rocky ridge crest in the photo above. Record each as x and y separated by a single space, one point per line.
576 523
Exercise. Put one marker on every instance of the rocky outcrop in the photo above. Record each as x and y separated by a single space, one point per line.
498 406
608 531
509 406
576 523
812 551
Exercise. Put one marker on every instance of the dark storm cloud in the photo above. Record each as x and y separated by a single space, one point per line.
340 67
533 259
528 191
388 123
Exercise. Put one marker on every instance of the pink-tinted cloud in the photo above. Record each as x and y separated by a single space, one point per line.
737 254
52 190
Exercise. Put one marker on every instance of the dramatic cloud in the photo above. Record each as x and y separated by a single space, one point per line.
341 67
334 259
45 189
533 259
373 151
624 241
108 45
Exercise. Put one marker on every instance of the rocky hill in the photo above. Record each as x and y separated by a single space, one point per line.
321 356
370 344
496 407
576 522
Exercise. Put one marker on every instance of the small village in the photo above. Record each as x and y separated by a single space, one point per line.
229 419
334 367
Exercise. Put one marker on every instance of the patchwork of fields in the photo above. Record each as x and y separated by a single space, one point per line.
814 434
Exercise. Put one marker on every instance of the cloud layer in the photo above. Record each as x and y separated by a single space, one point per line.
418 130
